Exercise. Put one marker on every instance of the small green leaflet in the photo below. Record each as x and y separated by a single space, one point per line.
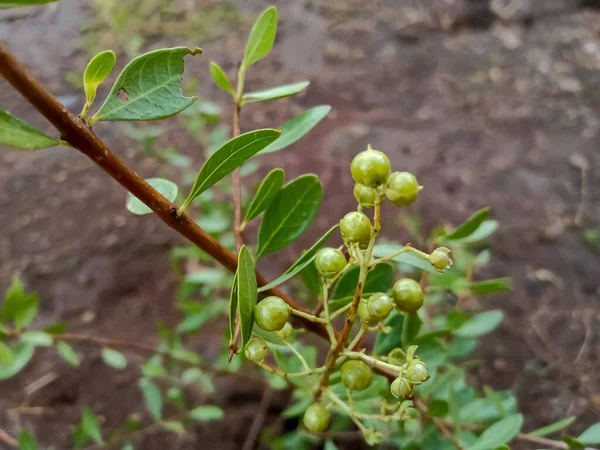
489 286
261 37
27 441
152 398
386 342
480 324
378 280
95 73
206 412
90 425
499 433
149 88
19 306
18 3
68 354
246 292
166 188
18 134
591 435
297 127
554 427
469 227
6 355
37 338
229 157
408 258
220 78
275 93
114 359
22 354
485 230
290 214
233 307
265 194
306 258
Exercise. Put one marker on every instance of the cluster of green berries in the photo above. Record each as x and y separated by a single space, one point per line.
413 374
271 314
407 296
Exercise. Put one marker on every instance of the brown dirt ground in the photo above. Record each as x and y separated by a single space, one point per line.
487 102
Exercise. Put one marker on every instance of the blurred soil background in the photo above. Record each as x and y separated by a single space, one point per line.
488 102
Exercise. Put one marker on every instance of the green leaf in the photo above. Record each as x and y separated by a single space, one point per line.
6 355
438 408
275 93
18 3
261 37
220 78
480 324
229 157
489 286
554 427
95 73
148 88
572 442
501 432
306 258
38 338
484 410
152 398
22 354
298 408
18 134
27 441
166 188
495 398
269 336
297 127
128 446
311 278
56 328
68 354
591 435
485 230
247 293
206 412
233 306
454 409
173 426
378 280
19 306
410 259
114 359
265 194
90 425
290 214
386 342
411 327
469 227
329 445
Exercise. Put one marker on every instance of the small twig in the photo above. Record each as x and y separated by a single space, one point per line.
259 419
8 439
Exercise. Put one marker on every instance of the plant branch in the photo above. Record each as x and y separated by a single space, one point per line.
8 439
76 132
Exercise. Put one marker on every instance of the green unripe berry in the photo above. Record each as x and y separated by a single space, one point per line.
363 313
417 372
401 388
356 228
356 375
440 258
380 305
271 314
330 261
286 331
316 418
408 295
365 195
402 188
370 168
256 350
411 413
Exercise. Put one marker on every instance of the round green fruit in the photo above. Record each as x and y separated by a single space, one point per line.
408 295
401 388
440 258
271 314
330 261
356 375
256 350
316 418
380 305
370 168
286 331
363 313
417 372
365 195
356 228
402 188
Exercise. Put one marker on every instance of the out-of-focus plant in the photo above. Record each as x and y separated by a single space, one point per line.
393 365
